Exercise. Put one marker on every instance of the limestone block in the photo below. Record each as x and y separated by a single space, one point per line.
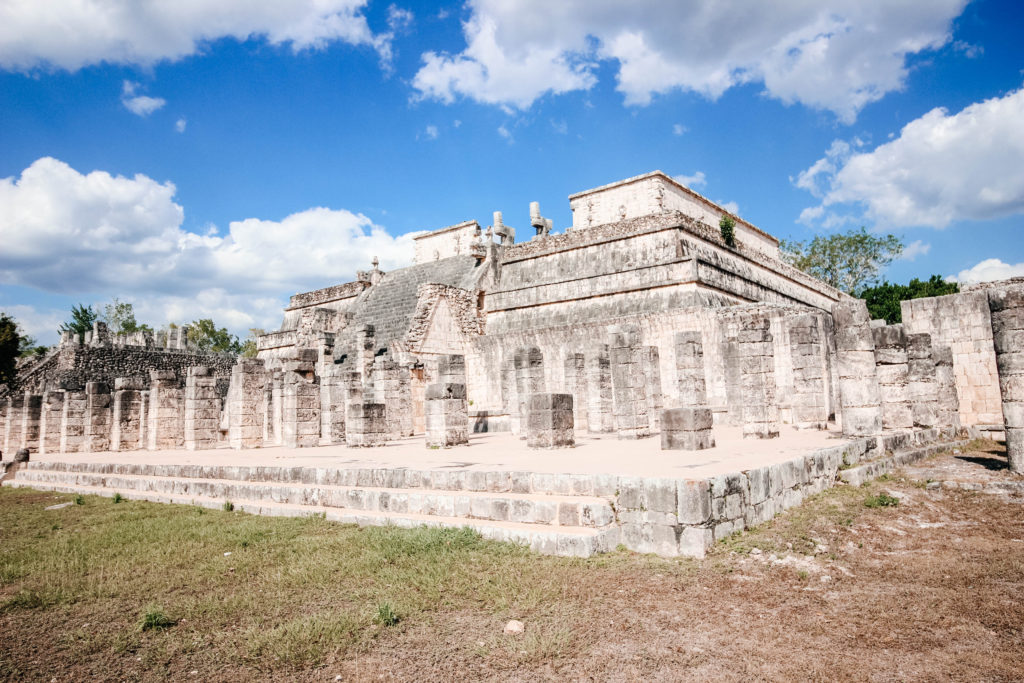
246 393
446 415
600 412
924 397
202 409
366 425
166 427
686 429
52 412
549 422
759 409
629 385
529 378
97 418
860 397
690 380
1006 306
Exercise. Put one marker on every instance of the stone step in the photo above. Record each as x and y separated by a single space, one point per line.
548 510
872 469
568 541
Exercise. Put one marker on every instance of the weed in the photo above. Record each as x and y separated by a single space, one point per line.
386 615
228 506
79 499
803 575
882 500
885 477
118 498
154 619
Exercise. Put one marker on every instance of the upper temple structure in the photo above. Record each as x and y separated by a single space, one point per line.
638 320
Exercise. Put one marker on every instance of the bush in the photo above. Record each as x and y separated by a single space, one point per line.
79 499
228 506
118 498
728 227
882 500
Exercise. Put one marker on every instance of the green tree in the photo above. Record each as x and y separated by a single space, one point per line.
205 336
82 318
120 317
849 261
248 348
884 300
727 226
10 349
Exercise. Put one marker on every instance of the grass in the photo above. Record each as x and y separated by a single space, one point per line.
155 619
881 500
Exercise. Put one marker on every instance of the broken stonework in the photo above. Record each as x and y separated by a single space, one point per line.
97 417
600 412
245 404
809 403
126 431
332 406
300 410
72 422
366 425
945 379
549 421
446 415
692 386
858 378
202 409
760 408
576 384
651 363
49 422
529 365
924 395
13 422
32 415
686 429
391 381
893 376
1007 309
166 428
629 386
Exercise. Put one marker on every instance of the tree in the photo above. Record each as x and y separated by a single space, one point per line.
205 336
727 226
884 300
10 349
82 318
248 348
120 318
849 261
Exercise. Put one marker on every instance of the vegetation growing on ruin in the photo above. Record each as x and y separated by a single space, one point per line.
849 261
884 300
727 226
82 318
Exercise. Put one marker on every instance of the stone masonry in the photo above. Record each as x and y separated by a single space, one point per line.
366 425
529 365
97 417
31 416
893 376
600 411
72 423
945 379
858 379
446 415
1007 306
924 392
809 401
692 387
760 409
300 398
166 424
629 385
128 415
202 409
686 429
50 421
549 421
244 404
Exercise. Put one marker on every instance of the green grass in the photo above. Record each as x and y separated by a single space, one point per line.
155 619
881 500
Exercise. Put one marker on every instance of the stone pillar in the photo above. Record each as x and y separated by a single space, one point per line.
855 366
366 425
364 350
760 408
576 385
509 396
166 411
267 409
629 395
352 393
396 392
549 421
300 398
31 416
1007 309
733 375
276 391
144 420
72 422
245 403
202 409
686 429
128 416
945 379
3 425
924 392
893 376
446 415
690 381
50 422
97 417
600 410
332 405
529 364
807 350
14 421
451 368
650 361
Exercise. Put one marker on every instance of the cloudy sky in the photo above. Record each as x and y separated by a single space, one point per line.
213 158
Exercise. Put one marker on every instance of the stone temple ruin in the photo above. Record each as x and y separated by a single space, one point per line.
637 321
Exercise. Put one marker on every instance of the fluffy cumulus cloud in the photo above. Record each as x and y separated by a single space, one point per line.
989 270
70 34
836 55
67 232
698 179
140 105
941 168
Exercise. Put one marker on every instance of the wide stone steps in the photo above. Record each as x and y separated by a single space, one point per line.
891 460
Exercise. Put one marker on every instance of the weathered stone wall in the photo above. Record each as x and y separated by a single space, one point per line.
893 376
858 377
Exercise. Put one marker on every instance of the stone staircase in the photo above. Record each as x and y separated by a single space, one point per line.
899 450
537 510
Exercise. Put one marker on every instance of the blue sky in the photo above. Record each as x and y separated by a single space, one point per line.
212 160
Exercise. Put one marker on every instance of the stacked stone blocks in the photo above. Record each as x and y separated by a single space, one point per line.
924 391
245 404
629 385
549 421
366 425
166 428
128 417
760 408
893 376
1007 309
97 417
300 399
50 422
202 409
858 378
809 403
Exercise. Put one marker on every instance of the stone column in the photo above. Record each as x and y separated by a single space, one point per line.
650 361
760 408
600 410
924 392
97 417
509 396
144 420
893 376
352 392
809 400
576 385
31 416
629 395
332 405
393 384
529 363
733 375
49 422
945 379
1007 309
267 408
686 429
245 402
14 421
128 416
365 425
855 365
166 411
72 422
202 409
690 382
364 350
549 421
276 391
446 415
300 398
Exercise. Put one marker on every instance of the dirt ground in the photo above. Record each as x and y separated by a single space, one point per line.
909 578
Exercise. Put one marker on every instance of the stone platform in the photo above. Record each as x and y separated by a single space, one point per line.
576 502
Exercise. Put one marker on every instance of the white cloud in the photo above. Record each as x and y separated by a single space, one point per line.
968 50
941 168
987 271
731 207
431 132
70 34
41 325
140 105
68 232
560 126
399 19
180 124
505 133
915 249
837 55
698 179
678 129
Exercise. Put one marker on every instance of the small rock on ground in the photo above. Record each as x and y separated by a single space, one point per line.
58 506
513 627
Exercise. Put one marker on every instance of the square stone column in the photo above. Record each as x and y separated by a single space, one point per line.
49 422
576 384
650 361
97 417
166 411
144 420
32 413
686 429
549 421
893 376
945 380
690 381
332 404
245 403
277 409
924 392
128 417
446 415
529 364
72 422
808 353
451 368
300 398
1006 306
14 420
395 389
600 404
760 408
855 364
629 386
366 425
202 409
